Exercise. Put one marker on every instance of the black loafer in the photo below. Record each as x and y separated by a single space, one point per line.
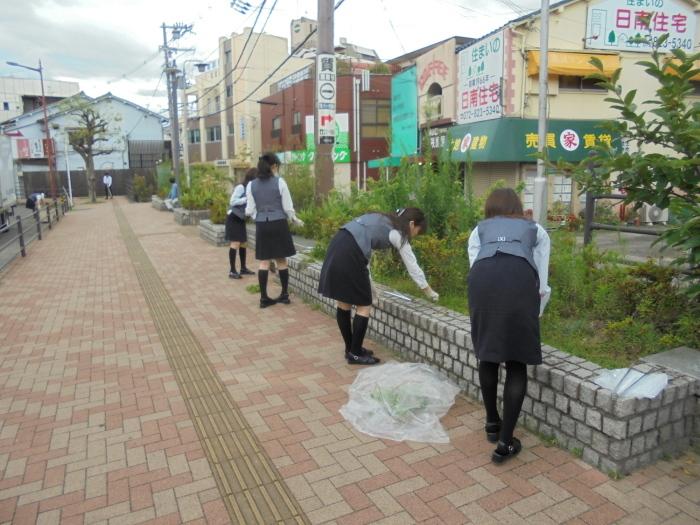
266 301
504 452
362 359
246 271
283 298
492 431
234 275
365 351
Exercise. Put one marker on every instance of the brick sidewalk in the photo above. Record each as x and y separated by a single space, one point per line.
94 427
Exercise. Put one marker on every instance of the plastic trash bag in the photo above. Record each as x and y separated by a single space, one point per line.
626 382
400 401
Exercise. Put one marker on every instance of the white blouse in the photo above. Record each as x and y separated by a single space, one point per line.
408 258
238 197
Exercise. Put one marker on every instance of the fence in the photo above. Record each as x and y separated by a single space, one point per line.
589 225
25 230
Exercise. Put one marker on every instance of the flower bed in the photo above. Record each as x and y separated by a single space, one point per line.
189 217
212 233
612 434
158 203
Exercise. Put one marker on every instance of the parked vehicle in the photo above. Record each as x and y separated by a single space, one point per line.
8 198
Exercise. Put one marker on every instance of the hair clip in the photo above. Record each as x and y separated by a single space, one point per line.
400 211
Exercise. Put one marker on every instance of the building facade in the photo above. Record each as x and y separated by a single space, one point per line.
22 95
363 120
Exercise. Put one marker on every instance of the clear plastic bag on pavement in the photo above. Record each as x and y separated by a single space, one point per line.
626 382
400 401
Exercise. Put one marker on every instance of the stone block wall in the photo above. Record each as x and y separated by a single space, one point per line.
189 217
158 203
610 433
212 233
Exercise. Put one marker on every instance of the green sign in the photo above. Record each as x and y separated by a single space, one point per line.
404 113
341 148
516 140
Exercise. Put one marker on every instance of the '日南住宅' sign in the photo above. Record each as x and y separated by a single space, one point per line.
480 80
325 97
636 25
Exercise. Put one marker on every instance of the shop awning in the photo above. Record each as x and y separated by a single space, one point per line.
572 64
516 140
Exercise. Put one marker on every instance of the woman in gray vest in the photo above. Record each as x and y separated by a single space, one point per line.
270 205
235 226
345 272
509 259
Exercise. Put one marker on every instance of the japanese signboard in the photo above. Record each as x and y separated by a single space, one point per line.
341 150
636 25
325 97
23 148
480 80
516 140
404 113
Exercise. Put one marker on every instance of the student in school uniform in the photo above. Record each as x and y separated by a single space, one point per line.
235 226
269 203
509 259
345 273
107 181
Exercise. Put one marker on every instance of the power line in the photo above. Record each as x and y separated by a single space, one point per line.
391 23
261 84
262 30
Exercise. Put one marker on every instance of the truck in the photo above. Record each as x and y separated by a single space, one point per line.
8 197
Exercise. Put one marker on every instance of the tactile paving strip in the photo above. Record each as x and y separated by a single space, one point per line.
250 486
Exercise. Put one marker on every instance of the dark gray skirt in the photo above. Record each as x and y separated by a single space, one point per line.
273 240
504 305
235 229
344 275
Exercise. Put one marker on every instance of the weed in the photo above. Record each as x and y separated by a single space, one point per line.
577 452
253 288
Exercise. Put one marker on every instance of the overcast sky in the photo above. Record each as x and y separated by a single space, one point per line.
109 45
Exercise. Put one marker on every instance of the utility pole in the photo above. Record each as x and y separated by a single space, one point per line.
325 101
539 206
178 31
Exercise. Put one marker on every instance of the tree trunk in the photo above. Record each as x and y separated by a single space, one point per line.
90 167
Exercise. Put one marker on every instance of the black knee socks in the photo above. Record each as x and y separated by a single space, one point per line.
488 378
262 281
232 258
513 395
345 326
284 280
359 328
242 254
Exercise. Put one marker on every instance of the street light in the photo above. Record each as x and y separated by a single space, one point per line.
49 147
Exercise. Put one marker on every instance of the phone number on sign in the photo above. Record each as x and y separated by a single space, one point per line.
480 112
673 43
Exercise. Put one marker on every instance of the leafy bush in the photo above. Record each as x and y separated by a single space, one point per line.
143 188
301 185
218 208
207 184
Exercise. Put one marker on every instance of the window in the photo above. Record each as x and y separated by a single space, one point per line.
572 83
227 55
214 134
6 106
433 103
276 127
296 123
231 129
375 116
217 103
229 90
210 106
194 136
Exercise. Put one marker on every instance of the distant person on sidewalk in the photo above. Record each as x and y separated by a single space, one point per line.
345 272
269 203
34 200
509 259
107 181
173 198
235 226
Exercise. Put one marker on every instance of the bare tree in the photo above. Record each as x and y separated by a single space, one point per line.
88 137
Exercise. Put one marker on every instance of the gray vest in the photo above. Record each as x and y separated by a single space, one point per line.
508 235
371 232
268 199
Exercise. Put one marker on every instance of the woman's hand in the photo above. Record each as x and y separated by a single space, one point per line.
431 294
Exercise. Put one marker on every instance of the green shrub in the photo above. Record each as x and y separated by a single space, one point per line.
301 185
143 188
207 184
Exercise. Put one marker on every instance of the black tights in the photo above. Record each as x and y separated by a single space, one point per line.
513 394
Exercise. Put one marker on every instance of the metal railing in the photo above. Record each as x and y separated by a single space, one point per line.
25 230
589 225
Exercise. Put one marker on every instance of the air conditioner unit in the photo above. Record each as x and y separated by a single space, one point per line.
653 214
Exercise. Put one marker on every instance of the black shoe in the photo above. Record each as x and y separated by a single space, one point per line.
365 351
246 271
234 275
363 359
266 301
283 298
492 431
504 452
